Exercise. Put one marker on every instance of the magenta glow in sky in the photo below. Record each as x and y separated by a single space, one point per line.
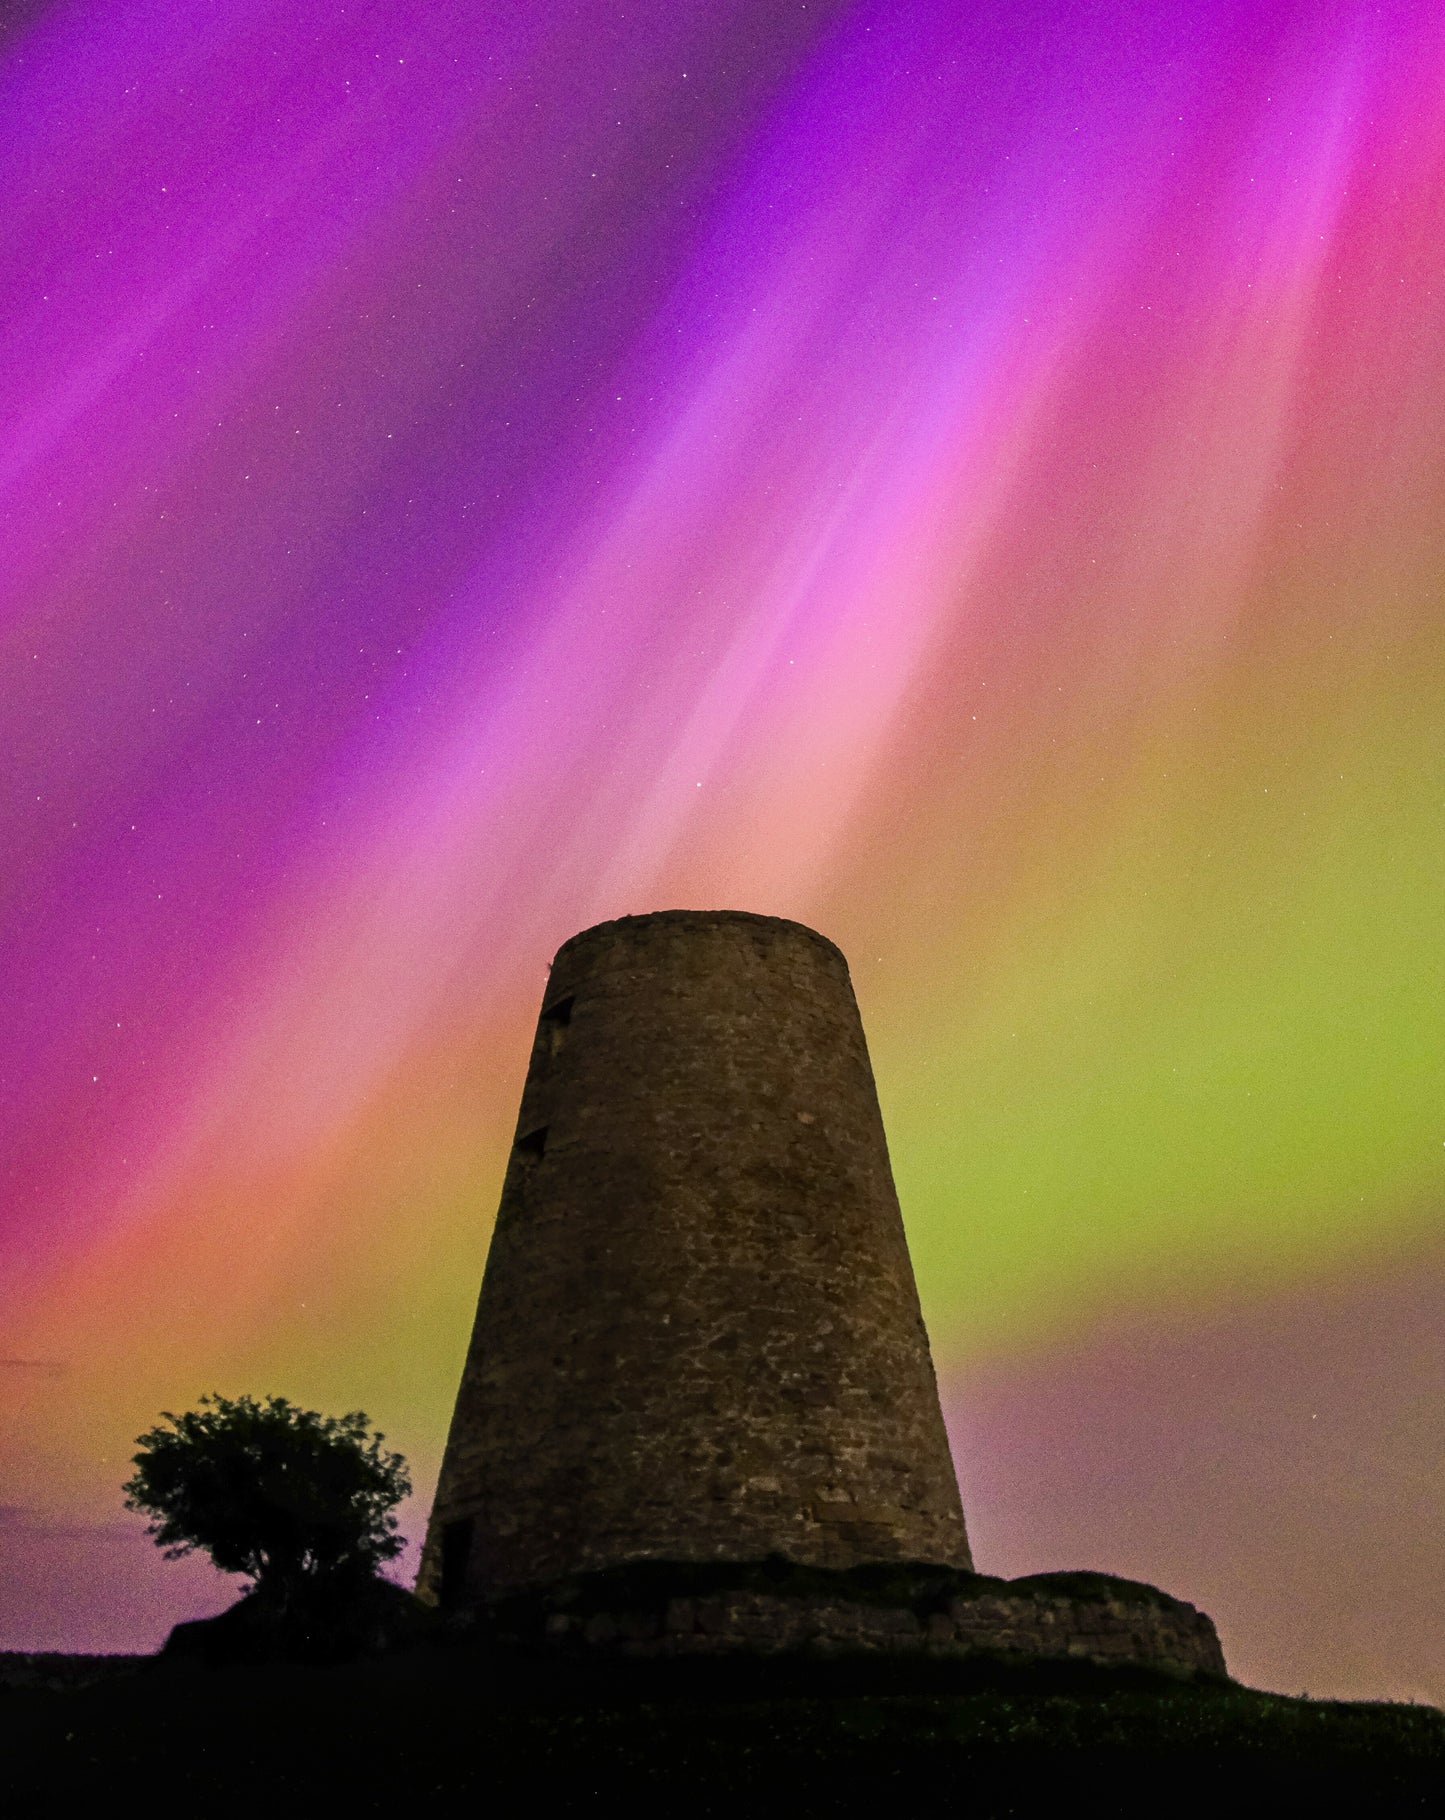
970 479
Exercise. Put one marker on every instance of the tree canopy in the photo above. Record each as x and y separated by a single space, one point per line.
267 1489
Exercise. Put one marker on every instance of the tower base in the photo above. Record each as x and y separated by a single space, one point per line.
669 1610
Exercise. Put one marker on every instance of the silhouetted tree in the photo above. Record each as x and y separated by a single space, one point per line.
292 1498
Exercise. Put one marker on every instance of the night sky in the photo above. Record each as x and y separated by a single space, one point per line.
971 478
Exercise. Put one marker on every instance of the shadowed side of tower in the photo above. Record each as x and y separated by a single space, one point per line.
698 1336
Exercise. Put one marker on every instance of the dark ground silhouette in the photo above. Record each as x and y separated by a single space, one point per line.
443 1728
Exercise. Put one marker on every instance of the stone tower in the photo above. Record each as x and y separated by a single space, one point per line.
698 1336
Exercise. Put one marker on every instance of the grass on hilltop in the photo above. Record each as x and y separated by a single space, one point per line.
452 1730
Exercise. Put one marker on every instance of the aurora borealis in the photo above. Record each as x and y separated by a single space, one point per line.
970 479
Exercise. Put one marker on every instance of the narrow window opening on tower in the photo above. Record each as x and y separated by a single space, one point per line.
530 1147
555 1020
456 1552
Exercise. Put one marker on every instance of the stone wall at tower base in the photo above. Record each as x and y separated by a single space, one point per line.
661 1611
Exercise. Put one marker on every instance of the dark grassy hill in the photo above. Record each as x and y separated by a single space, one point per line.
450 1730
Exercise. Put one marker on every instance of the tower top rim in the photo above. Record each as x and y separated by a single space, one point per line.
698 919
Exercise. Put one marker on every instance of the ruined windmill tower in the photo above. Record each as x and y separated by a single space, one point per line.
698 1337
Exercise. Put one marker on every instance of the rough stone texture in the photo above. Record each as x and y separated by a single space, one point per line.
1162 1633
698 1336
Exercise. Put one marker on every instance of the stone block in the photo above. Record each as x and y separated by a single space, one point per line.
681 1616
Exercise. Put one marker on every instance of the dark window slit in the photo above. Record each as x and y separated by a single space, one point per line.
456 1550
560 1013
533 1144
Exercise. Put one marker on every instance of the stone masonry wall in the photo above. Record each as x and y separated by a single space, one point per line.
698 1335
1167 1635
